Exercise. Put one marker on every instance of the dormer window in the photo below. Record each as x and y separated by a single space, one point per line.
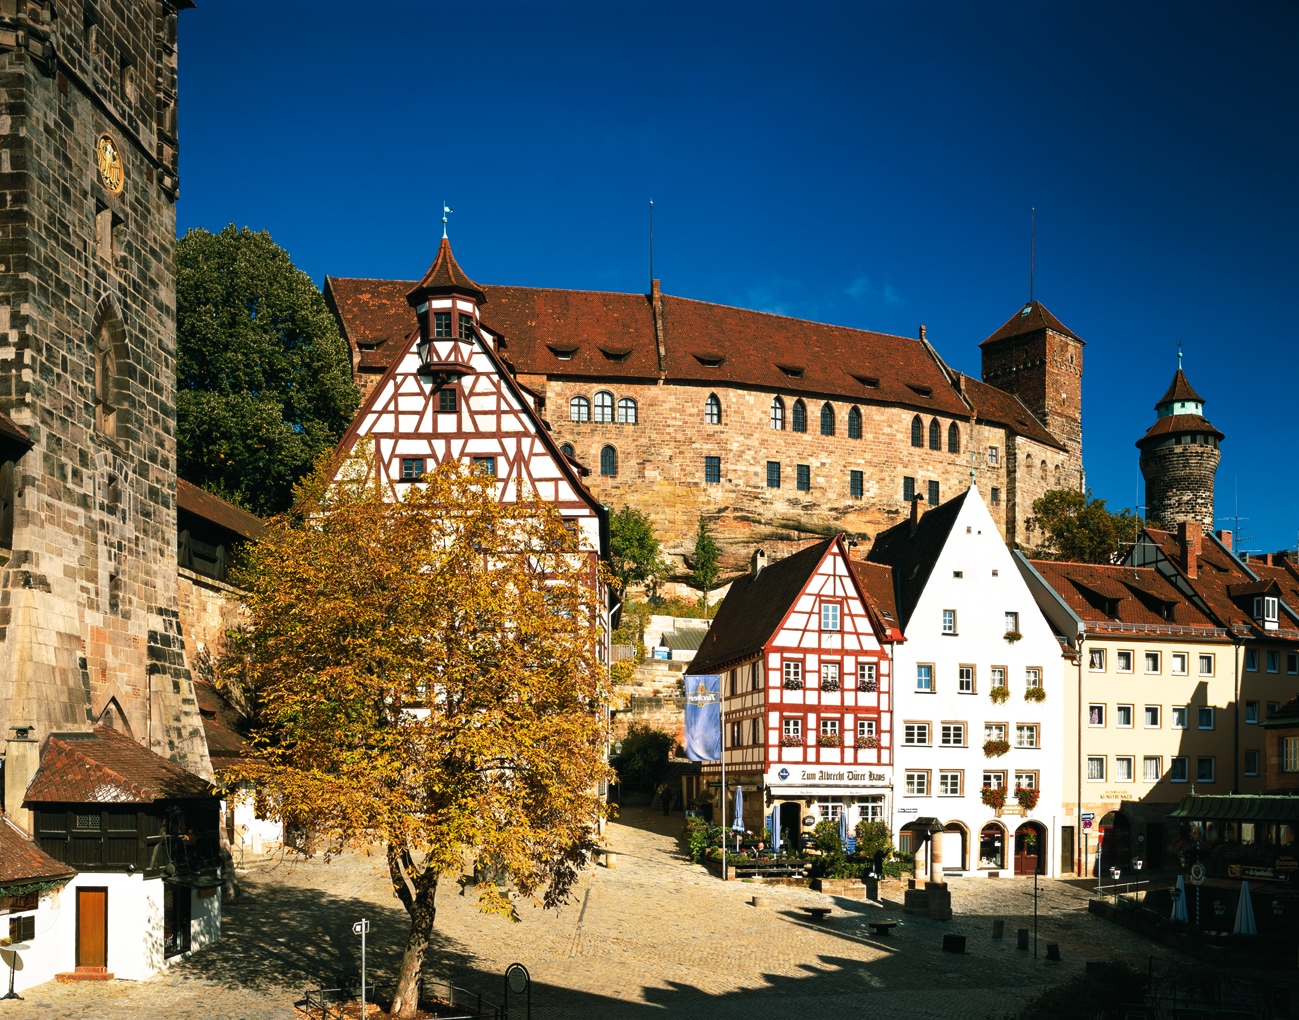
710 360
793 371
1266 611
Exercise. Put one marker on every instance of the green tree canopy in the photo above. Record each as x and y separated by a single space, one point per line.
642 761
704 574
636 554
1076 526
264 381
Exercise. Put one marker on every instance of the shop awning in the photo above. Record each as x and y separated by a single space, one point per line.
1242 807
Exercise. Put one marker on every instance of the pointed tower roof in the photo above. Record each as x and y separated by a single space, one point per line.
1179 389
1032 318
445 276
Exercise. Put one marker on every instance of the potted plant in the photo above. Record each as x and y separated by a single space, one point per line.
1035 694
1027 797
1012 636
994 797
791 740
830 684
869 742
998 695
793 685
995 748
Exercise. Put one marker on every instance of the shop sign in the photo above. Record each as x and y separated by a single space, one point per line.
908 811
830 777
1285 864
1256 874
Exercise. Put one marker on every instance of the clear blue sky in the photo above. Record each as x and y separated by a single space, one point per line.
869 164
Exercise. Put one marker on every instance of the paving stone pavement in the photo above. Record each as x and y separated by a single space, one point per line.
655 936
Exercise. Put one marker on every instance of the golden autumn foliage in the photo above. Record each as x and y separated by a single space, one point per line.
424 674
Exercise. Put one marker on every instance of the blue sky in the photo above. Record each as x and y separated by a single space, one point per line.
869 164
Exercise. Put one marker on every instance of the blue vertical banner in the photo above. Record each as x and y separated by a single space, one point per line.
704 718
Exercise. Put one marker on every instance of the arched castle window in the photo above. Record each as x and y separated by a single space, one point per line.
827 419
917 431
778 414
626 411
1028 463
854 423
608 461
604 406
953 438
935 435
1042 471
579 409
800 416
713 410
107 380
567 449
1057 476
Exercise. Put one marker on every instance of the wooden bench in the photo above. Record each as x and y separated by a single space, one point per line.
818 913
882 928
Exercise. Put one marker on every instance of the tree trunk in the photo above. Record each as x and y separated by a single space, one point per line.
419 904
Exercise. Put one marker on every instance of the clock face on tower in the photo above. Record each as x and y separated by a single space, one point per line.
109 159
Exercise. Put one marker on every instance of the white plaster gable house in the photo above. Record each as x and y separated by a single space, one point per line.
969 728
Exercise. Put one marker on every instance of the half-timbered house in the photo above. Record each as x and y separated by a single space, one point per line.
803 647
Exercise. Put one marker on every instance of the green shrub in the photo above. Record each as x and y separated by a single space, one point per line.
873 838
643 761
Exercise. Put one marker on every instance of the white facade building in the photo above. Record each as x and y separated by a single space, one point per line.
977 649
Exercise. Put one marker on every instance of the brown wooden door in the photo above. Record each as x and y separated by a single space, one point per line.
92 927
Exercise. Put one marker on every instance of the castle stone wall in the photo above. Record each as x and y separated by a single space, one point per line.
1179 484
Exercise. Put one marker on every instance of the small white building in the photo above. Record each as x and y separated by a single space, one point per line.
978 698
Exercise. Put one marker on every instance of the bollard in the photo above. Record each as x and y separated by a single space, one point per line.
953 943
1022 938
610 860
1053 951
998 929
761 901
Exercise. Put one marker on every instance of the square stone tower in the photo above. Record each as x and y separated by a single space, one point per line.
88 623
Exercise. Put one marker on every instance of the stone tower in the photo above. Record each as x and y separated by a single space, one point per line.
1040 360
1179 457
88 623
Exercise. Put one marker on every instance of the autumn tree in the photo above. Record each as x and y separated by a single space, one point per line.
705 569
424 675
635 554
1077 526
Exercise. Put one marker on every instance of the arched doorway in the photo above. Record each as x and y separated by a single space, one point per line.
1030 849
992 846
954 847
1115 849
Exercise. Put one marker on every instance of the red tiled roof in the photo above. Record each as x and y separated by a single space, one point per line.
1123 587
1282 572
22 862
876 581
1175 424
372 313
201 503
1180 389
11 431
107 767
1002 408
1029 319
445 276
221 724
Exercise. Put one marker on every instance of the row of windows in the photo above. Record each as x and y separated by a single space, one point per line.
413 468
952 783
1152 716
909 491
442 325
935 435
579 409
798 418
1010 618
1152 768
793 677
966 677
1154 661
953 734
791 730
1272 658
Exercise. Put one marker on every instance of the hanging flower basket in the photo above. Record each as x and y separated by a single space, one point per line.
1027 797
998 695
791 740
995 748
830 739
1035 694
994 797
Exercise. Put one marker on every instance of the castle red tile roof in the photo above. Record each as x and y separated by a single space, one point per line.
1180 389
445 276
876 581
1029 319
600 335
1120 598
107 767
201 503
1005 409
22 862
1180 424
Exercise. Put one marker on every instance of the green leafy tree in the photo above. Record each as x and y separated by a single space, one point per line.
636 554
704 574
642 762
1077 526
873 838
264 381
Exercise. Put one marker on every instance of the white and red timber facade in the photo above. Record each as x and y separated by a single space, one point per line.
447 396
803 648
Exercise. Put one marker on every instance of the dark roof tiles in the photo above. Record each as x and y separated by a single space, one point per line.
1180 424
202 503
1002 408
1032 317
22 862
1179 389
1120 591
445 276
912 555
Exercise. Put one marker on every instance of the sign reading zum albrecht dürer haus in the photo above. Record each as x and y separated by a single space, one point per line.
809 781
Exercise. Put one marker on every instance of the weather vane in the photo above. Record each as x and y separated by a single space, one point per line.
445 209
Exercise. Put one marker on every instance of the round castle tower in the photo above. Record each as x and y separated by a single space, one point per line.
1179 457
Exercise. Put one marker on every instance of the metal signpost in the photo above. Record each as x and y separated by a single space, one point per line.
362 928
518 981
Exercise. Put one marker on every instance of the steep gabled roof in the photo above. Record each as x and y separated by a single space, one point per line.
1180 389
876 583
1006 409
107 767
1033 317
1122 588
22 862
912 555
445 276
755 606
204 504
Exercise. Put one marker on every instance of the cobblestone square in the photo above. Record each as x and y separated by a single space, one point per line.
655 936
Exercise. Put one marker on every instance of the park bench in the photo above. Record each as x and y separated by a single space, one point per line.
882 928
818 913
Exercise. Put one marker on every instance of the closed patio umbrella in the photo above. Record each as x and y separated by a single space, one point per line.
775 829
1179 900
737 823
1245 913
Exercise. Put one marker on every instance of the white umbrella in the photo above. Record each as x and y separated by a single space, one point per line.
775 829
737 823
1245 913
1179 900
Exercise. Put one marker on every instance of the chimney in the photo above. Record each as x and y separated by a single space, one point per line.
1225 538
1268 559
1188 537
656 306
758 561
922 332
655 294
916 512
